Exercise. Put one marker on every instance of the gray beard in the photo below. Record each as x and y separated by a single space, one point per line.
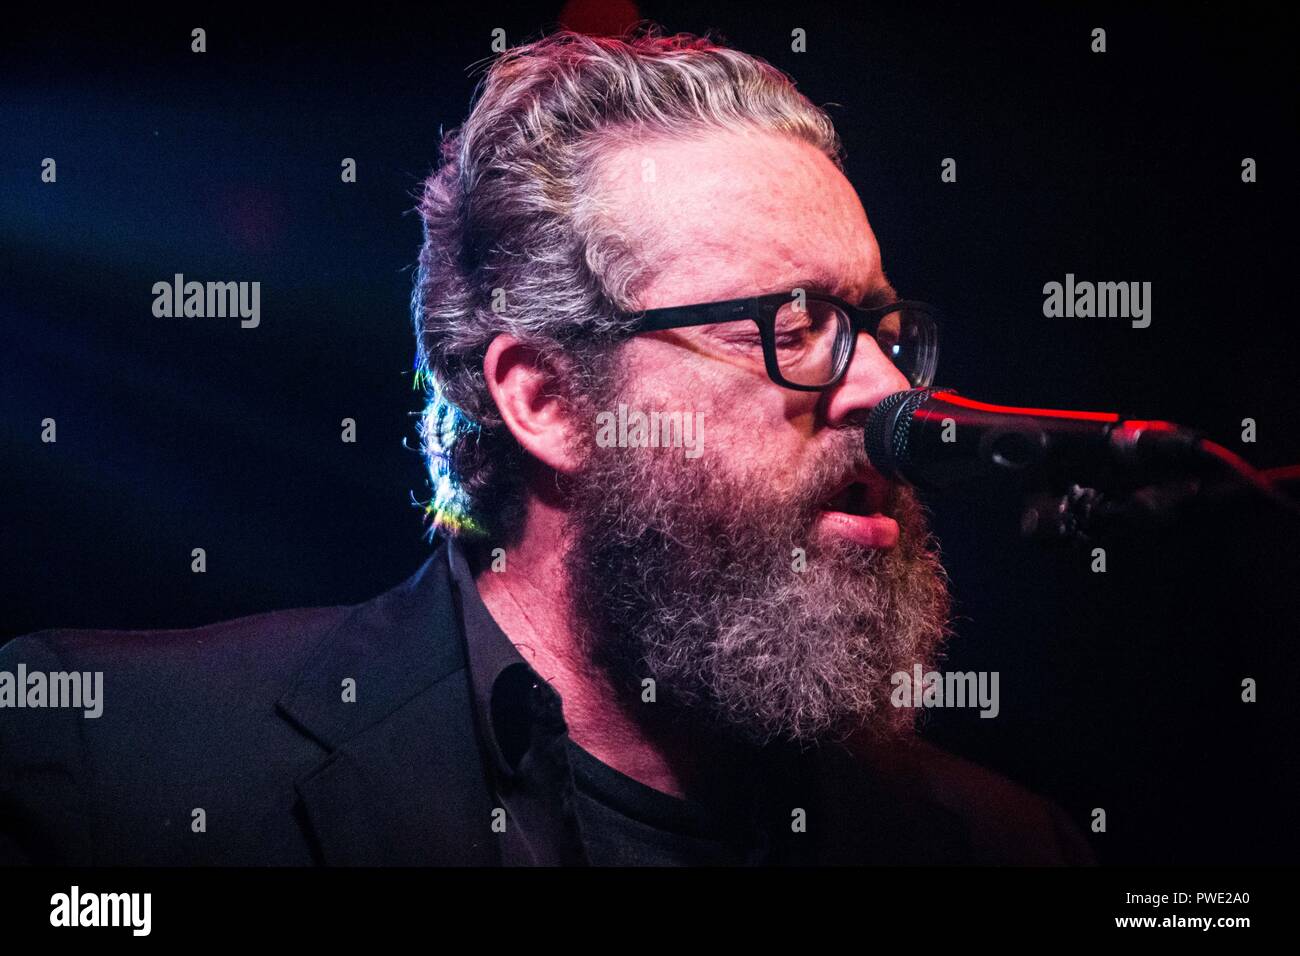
685 574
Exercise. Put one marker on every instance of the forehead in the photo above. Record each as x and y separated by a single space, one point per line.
723 215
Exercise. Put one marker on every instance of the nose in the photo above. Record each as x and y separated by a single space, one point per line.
870 377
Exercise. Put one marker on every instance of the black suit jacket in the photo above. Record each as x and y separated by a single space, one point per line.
245 720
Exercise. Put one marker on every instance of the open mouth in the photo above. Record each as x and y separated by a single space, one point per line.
857 498
856 513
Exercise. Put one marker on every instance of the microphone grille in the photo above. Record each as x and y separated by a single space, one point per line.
887 431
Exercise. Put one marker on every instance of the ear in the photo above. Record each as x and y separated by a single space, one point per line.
524 389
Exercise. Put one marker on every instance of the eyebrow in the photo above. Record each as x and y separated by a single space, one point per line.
880 294
822 283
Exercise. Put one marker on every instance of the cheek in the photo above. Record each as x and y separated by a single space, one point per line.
764 434
751 428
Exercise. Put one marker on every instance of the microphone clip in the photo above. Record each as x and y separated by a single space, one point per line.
1083 514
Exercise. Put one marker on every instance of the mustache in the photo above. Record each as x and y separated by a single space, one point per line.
843 462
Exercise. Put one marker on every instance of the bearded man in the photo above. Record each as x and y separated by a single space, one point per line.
630 652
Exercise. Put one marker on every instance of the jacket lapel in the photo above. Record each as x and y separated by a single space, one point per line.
403 781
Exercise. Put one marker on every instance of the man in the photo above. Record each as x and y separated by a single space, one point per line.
668 595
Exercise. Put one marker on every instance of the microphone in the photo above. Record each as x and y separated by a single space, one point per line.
934 438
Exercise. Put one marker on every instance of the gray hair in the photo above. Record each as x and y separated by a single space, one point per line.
515 240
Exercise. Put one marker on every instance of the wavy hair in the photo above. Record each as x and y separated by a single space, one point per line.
515 239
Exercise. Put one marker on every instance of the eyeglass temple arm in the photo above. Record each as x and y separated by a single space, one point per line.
679 317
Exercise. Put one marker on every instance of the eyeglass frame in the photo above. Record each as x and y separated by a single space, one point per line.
763 309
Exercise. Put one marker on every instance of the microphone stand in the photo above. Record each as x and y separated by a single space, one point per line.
1083 514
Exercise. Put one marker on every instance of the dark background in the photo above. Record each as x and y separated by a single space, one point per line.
1119 690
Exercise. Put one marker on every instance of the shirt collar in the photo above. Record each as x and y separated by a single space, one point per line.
508 694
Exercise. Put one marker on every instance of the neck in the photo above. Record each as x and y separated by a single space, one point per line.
529 599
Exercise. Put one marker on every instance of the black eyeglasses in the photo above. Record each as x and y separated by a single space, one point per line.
808 338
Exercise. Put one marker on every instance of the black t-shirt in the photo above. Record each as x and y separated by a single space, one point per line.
626 823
